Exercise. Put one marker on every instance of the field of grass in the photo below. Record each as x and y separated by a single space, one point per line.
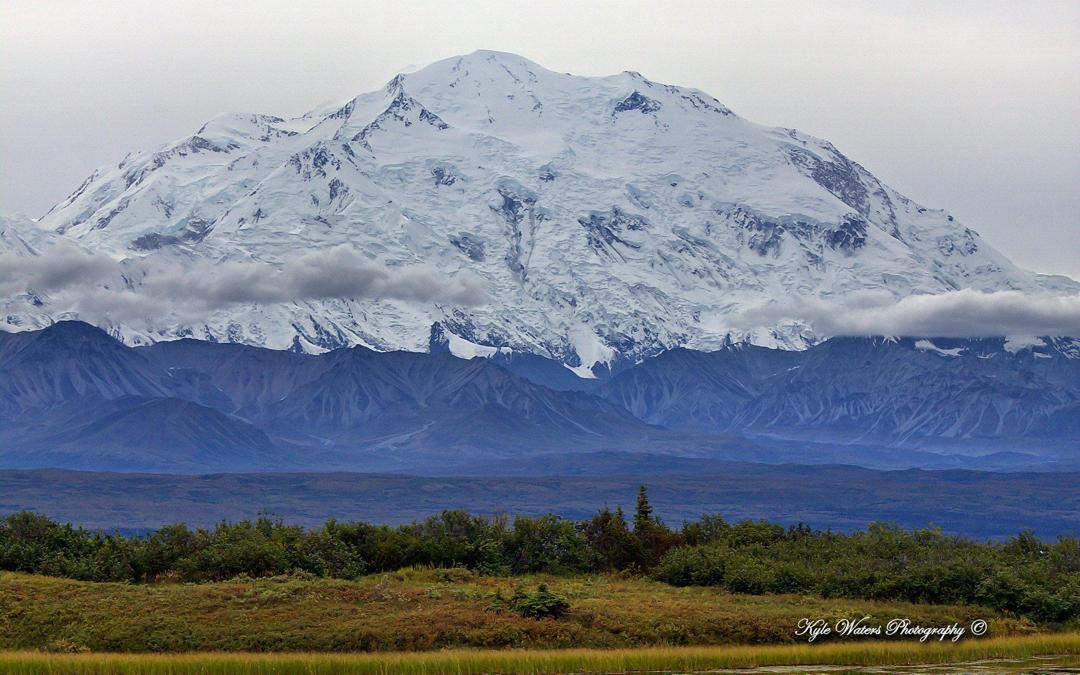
1007 654
414 610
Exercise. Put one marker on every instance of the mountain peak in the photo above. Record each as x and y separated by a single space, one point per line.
71 327
489 57
68 336
608 218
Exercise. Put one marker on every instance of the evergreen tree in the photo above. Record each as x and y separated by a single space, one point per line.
643 514
652 537
609 542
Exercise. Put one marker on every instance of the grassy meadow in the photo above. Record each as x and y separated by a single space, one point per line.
416 610
457 593
1013 654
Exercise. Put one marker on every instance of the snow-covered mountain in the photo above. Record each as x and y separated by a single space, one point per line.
607 217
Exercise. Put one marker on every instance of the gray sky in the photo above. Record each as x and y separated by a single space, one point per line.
969 106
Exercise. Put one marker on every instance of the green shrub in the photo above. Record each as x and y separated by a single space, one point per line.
539 605
693 566
1023 577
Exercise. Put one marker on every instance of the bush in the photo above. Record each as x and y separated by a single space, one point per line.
539 605
693 566
1024 577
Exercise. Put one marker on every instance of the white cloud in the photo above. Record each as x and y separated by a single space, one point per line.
99 286
964 313
64 266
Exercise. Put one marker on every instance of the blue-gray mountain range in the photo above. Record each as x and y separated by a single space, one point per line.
72 396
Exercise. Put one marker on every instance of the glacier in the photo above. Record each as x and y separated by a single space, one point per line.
608 218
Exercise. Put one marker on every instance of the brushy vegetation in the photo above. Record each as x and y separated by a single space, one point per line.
1022 577
1008 654
420 609
543 604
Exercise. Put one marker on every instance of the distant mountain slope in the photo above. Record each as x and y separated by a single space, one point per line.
610 218
70 360
140 434
699 391
72 396
361 398
919 392
928 389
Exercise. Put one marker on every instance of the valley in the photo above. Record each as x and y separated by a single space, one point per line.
972 503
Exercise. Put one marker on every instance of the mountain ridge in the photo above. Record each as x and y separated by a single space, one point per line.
73 396
609 218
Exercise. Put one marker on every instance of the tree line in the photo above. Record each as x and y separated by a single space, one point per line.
1023 576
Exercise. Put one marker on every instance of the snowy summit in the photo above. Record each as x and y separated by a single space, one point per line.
604 217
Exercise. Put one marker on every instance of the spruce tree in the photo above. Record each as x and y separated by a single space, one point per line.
643 514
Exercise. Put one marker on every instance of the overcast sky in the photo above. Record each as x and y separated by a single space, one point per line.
969 106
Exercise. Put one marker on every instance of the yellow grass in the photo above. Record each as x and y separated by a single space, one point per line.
417 610
682 659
